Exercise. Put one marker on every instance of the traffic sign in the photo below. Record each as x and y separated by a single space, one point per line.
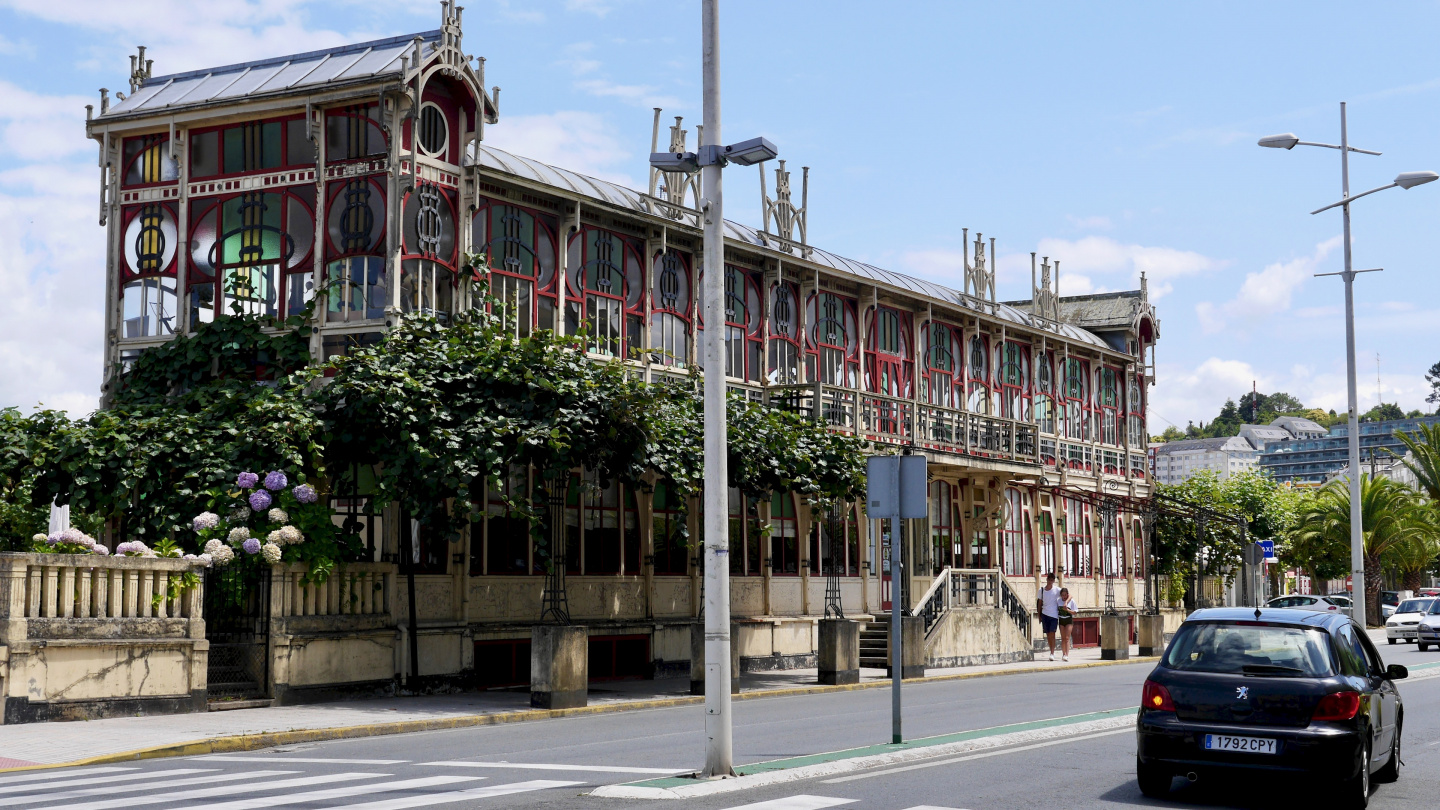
1269 547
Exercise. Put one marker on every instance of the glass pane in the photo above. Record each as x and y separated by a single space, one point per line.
300 288
205 154
272 145
299 151
234 150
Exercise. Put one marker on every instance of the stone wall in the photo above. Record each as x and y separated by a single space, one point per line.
966 637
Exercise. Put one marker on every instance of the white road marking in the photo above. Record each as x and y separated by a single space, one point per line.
58 774
533 766
931 807
12 801
332 793
277 759
461 795
98 780
801 802
206 793
968 757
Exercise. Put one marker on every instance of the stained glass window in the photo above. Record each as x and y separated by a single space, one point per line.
670 309
520 248
1044 393
784 334
147 160
607 281
890 368
257 246
253 146
942 361
834 357
427 270
358 286
1012 381
353 133
977 368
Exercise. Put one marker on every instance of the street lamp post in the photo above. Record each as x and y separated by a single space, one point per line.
710 159
1406 180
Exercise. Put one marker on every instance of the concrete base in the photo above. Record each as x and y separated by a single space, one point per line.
1114 638
559 667
1150 634
912 648
839 656
697 659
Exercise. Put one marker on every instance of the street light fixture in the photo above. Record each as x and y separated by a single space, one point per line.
710 158
1406 180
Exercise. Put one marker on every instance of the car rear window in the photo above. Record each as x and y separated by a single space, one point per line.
1251 648
1414 606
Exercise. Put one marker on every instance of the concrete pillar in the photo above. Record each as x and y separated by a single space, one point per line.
697 659
839 651
1114 638
559 666
912 649
1150 633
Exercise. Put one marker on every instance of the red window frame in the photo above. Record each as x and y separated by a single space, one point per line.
977 374
451 105
155 148
139 234
1047 417
944 366
890 370
1109 406
1135 403
672 297
1015 553
298 264
354 233
784 333
1075 396
590 263
285 122
1012 380
743 318
529 240
370 115
1077 538
833 355
414 256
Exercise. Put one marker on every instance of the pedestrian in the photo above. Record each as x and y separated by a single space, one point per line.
1048 605
1067 622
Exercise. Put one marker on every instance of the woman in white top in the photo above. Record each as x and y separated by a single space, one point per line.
1067 622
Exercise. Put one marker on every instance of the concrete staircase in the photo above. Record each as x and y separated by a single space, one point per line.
875 645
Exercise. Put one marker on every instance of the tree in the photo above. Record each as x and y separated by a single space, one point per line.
1433 378
1252 405
1384 412
1170 434
1282 403
1424 457
1321 541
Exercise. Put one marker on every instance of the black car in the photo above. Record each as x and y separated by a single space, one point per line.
1274 690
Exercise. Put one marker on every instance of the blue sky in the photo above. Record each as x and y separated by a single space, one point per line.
1115 138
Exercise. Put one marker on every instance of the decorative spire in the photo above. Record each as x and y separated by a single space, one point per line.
782 209
1047 303
140 70
979 280
672 187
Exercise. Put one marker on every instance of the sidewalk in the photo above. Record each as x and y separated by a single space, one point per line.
123 738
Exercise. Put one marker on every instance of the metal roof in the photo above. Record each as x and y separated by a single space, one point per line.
499 160
301 71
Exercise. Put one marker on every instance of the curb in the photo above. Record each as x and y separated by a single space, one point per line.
252 742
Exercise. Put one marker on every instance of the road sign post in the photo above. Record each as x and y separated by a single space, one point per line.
896 488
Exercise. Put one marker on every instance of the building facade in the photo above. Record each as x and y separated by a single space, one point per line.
1316 460
359 177
1175 462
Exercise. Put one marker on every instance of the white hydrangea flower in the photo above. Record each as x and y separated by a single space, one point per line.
211 546
291 535
239 535
222 555
275 538
207 558
278 515
270 552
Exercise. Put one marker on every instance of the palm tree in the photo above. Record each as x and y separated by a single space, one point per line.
1424 461
1388 522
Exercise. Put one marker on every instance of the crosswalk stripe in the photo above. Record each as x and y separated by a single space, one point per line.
530 766
276 759
227 790
800 802
58 774
95 780
14 801
461 795
333 793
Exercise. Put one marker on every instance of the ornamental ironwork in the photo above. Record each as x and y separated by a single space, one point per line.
429 226
357 221
150 241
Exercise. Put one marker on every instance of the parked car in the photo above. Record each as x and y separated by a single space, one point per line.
1337 604
1428 592
1427 633
1390 599
1283 692
1403 624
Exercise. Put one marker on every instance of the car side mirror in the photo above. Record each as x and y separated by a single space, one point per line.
1396 672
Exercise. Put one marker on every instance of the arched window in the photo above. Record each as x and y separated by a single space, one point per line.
428 263
977 369
890 370
357 287
258 244
1012 381
942 365
1109 401
784 536
742 325
1047 541
671 548
784 334
1075 391
834 356
147 271
1044 393
1135 402
147 161
745 535
520 247
1015 546
670 309
606 275
1077 537
944 526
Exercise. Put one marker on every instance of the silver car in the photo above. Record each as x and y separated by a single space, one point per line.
1321 604
1404 622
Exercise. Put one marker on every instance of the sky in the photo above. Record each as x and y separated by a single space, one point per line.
1116 138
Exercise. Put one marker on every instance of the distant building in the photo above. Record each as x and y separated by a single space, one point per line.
1175 462
1312 459
1260 435
1383 466
1300 427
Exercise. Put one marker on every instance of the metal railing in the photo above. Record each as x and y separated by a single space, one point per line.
957 588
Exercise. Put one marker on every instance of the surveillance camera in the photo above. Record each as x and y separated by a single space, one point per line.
674 161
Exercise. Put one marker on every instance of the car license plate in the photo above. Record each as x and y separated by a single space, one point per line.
1249 745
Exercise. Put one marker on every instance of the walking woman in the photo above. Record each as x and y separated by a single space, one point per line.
1067 622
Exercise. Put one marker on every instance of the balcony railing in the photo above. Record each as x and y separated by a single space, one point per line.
890 420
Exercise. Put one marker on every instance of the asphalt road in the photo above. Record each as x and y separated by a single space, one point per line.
555 763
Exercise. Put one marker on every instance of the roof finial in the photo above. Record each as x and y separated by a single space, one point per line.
140 69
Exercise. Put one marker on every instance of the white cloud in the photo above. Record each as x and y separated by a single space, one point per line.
37 127
1264 294
1196 394
1094 257
580 141
512 13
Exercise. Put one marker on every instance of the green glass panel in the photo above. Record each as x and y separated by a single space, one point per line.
272 146
234 150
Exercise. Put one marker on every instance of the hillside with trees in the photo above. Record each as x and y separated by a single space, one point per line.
1254 408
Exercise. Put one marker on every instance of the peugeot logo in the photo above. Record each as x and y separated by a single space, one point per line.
1242 692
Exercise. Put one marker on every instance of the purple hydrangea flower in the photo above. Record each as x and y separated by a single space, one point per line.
251 546
305 494
275 481
247 480
260 500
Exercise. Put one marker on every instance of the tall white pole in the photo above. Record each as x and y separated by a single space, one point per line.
897 655
719 759
1357 535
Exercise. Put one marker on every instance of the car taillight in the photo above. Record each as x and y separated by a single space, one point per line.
1332 607
1156 697
1337 706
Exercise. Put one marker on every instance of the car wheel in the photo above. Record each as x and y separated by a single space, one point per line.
1422 647
1391 771
1154 780
1355 791
1391 640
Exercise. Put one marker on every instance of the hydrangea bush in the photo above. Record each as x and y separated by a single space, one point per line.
70 541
